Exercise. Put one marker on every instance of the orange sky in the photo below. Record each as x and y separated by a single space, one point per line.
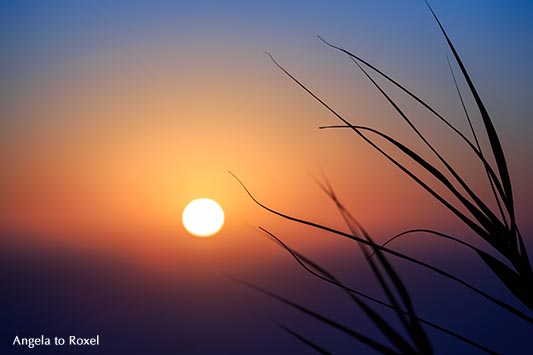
106 151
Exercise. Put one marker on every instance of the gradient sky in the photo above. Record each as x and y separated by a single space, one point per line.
115 114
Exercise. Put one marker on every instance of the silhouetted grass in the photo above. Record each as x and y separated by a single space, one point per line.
501 232
309 266
497 228
406 314
500 303
303 339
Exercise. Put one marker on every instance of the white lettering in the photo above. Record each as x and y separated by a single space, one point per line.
31 342
73 340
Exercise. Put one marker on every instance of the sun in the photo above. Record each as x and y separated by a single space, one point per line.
203 217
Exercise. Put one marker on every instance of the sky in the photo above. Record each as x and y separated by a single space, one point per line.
115 114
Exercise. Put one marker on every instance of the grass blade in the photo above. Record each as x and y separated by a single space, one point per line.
491 182
356 130
389 251
356 335
481 207
480 156
440 177
353 225
386 329
411 325
433 232
323 275
494 140
522 289
304 340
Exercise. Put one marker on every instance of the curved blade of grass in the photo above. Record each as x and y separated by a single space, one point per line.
465 219
411 325
491 182
387 330
494 140
429 108
487 225
390 251
307 264
523 254
478 212
304 340
521 261
344 329
414 328
521 288
469 121
350 222
434 232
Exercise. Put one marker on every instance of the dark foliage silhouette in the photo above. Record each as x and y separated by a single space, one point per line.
497 226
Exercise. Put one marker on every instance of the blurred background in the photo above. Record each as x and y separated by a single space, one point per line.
115 114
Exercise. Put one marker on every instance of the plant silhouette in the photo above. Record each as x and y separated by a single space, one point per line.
496 226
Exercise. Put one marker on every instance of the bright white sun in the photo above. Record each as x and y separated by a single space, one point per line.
203 217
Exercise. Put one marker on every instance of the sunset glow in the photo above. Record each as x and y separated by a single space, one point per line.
153 152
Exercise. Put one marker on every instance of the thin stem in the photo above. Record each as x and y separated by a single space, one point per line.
431 324
498 302
434 232
500 209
